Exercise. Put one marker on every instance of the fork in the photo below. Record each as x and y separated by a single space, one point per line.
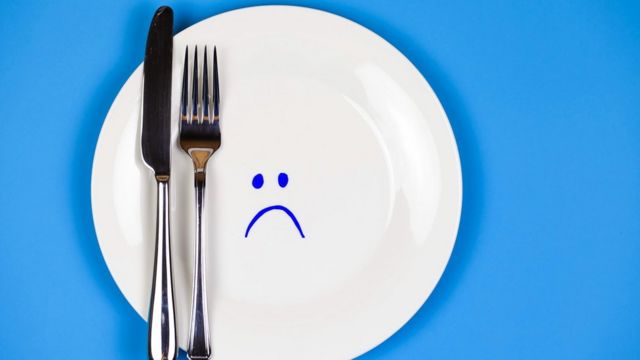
199 138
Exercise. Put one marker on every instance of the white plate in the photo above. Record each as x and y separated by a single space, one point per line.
374 181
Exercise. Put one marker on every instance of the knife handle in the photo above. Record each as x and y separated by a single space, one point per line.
162 324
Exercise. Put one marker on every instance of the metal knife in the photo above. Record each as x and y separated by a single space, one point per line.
156 137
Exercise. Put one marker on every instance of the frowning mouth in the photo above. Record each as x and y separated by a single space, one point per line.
274 207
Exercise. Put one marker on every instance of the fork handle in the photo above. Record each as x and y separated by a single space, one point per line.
162 326
199 340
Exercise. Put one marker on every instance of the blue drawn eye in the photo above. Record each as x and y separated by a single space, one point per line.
283 179
257 181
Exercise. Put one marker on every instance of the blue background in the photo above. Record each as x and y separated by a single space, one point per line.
543 100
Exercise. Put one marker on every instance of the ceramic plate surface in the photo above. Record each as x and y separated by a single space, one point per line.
332 124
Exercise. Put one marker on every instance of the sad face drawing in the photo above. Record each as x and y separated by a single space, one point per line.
283 180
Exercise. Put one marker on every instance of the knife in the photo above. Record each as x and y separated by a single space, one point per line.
156 137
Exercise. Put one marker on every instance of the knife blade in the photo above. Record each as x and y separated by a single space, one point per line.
156 110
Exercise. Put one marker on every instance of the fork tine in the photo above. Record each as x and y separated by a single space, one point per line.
205 89
184 99
216 87
194 90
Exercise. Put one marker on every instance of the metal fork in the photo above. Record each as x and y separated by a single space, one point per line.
199 138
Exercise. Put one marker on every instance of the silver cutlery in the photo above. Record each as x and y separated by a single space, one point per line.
156 137
199 138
